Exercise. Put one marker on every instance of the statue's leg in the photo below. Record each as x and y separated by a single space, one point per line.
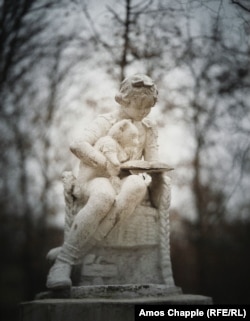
70 210
132 192
100 201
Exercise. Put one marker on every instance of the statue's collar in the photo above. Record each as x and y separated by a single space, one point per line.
119 116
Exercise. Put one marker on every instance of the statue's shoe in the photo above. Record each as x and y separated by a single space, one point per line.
59 276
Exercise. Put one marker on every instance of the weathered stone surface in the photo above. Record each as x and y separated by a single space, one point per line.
128 291
99 309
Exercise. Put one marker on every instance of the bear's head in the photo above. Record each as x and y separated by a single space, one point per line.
125 133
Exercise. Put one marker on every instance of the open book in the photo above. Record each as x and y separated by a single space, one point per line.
138 166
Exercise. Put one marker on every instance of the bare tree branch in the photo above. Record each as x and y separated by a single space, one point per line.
115 14
241 5
97 37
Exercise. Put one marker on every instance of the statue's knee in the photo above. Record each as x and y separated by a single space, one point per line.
137 184
106 200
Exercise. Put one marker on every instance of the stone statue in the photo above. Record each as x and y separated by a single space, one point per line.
119 199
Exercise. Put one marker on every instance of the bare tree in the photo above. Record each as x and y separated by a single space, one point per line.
33 67
141 33
215 100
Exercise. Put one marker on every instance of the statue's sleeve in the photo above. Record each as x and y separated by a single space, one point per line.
151 143
83 147
97 129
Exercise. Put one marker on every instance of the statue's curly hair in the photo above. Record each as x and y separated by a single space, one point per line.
138 85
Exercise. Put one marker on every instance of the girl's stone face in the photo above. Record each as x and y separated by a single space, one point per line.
139 108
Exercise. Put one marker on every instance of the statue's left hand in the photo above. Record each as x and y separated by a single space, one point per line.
113 168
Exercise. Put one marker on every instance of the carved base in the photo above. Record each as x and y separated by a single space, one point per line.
137 265
99 309
131 254
121 291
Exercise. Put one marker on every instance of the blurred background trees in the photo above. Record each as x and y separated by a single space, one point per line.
61 64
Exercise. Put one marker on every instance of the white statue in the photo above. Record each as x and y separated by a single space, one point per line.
103 193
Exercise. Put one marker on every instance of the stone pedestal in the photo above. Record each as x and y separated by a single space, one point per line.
136 251
104 303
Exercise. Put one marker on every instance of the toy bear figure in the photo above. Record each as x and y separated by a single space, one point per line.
118 146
